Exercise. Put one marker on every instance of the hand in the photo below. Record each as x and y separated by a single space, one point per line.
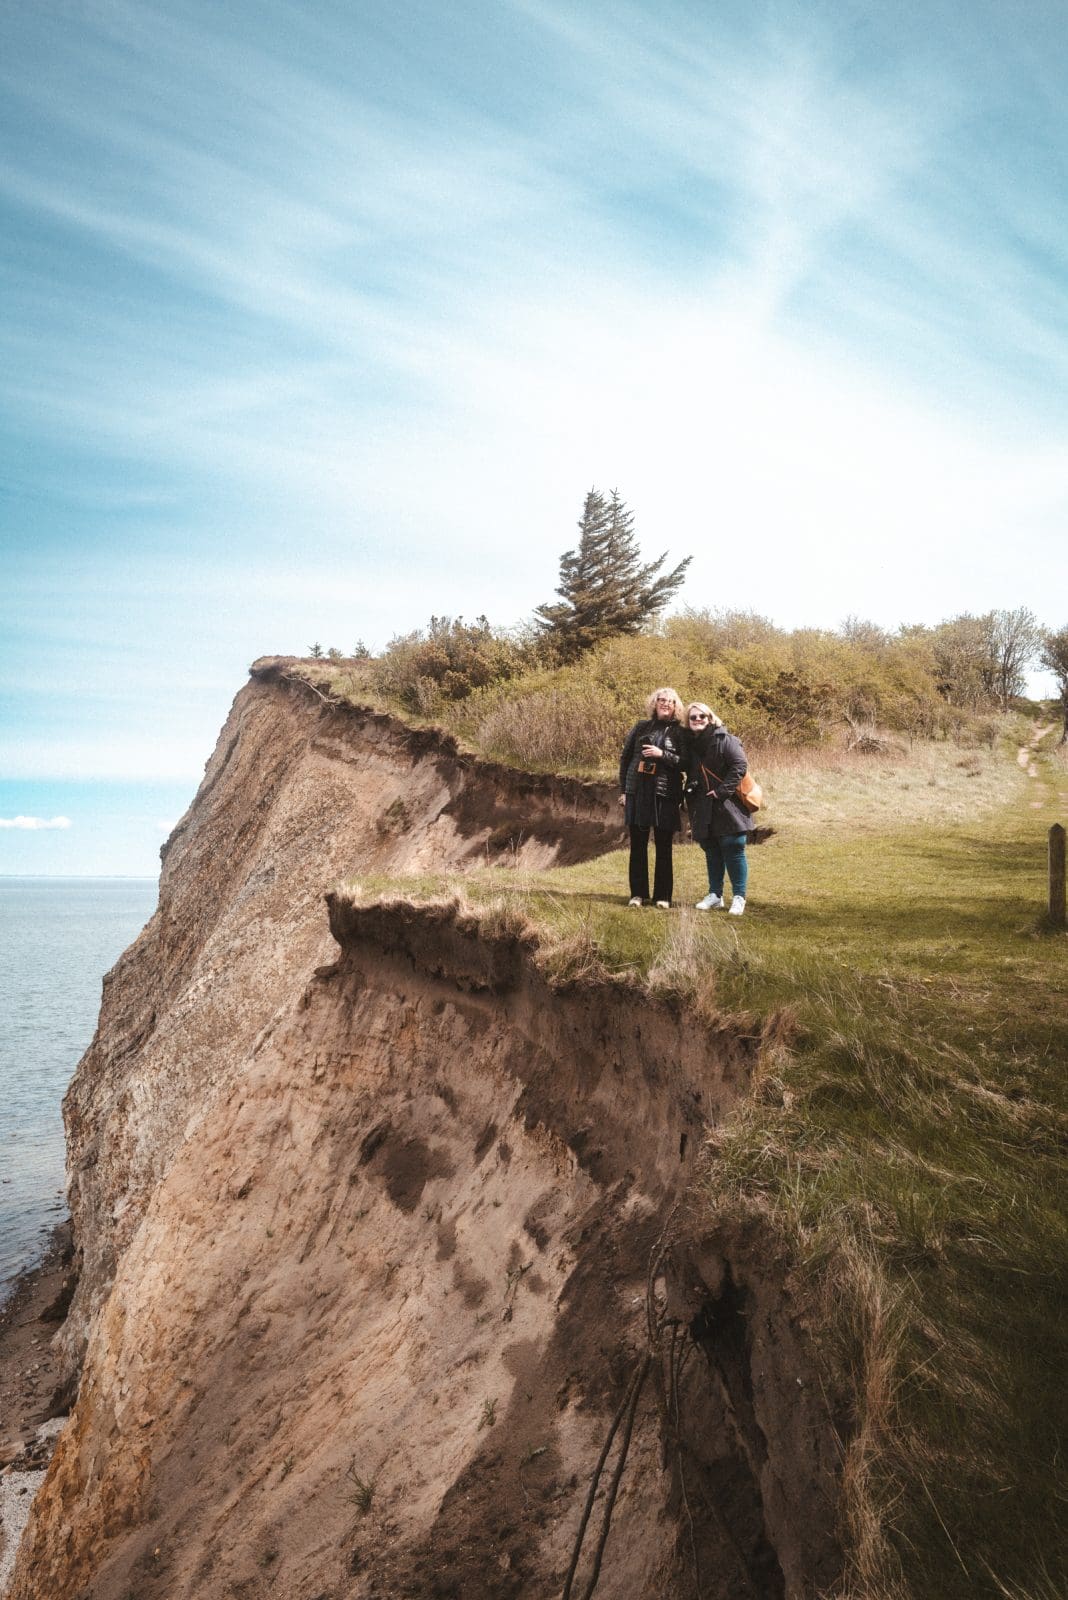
622 799
651 751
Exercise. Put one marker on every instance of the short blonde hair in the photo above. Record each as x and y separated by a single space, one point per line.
650 704
699 705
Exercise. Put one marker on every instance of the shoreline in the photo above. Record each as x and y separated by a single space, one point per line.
33 1401
35 1255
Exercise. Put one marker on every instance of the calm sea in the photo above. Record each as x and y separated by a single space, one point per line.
58 936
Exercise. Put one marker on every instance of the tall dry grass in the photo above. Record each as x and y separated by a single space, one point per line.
920 783
555 730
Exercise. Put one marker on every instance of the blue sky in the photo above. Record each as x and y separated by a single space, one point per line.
321 318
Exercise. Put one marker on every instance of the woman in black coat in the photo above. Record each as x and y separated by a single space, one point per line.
650 778
719 822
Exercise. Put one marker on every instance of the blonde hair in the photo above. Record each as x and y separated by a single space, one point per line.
650 704
699 705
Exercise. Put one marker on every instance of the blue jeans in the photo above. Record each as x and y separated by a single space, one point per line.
727 852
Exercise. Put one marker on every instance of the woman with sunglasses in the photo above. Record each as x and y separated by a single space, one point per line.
650 779
719 822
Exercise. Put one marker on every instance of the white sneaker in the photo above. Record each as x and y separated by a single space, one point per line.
737 906
711 902
636 901
663 905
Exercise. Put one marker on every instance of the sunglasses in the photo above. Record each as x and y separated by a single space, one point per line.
698 716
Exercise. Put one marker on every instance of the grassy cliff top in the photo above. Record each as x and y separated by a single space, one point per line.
907 1137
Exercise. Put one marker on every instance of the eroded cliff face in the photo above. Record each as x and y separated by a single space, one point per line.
380 1312
384 1237
297 795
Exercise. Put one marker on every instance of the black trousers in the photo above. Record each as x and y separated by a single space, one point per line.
663 882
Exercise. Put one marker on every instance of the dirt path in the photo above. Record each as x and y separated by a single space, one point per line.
1025 757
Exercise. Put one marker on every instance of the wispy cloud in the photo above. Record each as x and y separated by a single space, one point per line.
322 321
375 255
34 824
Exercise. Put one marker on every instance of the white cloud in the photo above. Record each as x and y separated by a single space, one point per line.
32 824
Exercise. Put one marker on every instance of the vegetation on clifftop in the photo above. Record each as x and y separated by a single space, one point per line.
558 692
906 1136
507 696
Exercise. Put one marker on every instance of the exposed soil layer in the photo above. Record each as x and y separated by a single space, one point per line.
298 795
505 810
381 1238
382 1308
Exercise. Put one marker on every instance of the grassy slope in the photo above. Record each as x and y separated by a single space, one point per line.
907 1142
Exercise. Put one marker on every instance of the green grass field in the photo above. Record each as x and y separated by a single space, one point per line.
907 1137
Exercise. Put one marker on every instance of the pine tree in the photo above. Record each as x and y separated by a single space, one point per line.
604 589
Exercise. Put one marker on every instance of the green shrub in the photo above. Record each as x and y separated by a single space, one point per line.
425 670
510 694
710 633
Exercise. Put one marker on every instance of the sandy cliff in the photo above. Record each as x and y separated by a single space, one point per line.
297 795
384 1238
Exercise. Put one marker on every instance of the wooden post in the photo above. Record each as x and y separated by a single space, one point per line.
1056 875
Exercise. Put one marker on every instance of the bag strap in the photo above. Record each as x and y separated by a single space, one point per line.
746 784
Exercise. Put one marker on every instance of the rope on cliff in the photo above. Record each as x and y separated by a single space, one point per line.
627 1407
613 1487
724 1526
677 1356
675 1365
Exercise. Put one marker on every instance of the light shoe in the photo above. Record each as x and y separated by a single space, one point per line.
711 902
663 905
636 901
737 906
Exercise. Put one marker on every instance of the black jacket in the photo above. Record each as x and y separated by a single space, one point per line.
653 799
712 816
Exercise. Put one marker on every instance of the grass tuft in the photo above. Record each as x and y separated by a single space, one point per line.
361 1491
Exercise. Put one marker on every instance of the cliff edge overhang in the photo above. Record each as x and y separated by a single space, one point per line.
504 808
427 1242
382 1231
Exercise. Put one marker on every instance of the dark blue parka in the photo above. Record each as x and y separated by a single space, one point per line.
715 815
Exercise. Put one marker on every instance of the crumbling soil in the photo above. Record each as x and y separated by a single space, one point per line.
381 1312
383 1240
298 796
